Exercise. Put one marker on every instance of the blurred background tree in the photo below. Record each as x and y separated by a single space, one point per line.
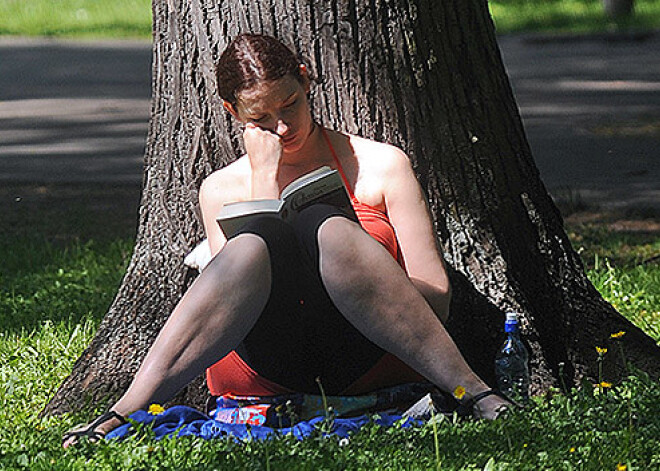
615 9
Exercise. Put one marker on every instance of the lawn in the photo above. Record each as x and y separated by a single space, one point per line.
569 16
57 281
132 18
76 18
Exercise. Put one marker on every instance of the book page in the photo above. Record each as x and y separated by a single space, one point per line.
306 180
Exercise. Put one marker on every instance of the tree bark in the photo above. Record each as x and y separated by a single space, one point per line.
426 76
618 9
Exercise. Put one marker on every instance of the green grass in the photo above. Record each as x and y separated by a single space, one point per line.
569 16
132 18
623 265
56 284
76 18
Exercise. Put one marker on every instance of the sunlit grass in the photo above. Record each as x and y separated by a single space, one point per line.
76 18
132 18
623 265
576 16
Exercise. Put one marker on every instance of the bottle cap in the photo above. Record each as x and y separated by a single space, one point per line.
511 323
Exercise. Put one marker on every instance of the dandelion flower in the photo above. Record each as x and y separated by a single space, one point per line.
605 384
459 392
601 350
618 335
572 450
156 409
621 467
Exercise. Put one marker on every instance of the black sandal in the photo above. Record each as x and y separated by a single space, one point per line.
466 408
89 431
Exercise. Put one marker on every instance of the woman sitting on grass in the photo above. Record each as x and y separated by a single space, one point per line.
356 305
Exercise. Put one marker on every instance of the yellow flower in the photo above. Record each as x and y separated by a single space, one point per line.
572 450
156 409
605 384
524 445
459 392
618 335
601 350
621 467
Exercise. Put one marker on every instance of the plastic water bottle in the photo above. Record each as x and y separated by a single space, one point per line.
511 363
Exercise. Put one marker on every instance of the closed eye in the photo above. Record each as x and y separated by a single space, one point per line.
291 104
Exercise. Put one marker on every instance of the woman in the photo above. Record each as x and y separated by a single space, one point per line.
280 305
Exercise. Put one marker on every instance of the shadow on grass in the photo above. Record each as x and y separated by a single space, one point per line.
65 250
45 282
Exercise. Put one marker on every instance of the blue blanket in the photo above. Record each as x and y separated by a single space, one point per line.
181 421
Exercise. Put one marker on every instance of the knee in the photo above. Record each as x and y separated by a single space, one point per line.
242 254
339 241
257 241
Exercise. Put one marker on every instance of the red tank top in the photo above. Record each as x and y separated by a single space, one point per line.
374 221
231 375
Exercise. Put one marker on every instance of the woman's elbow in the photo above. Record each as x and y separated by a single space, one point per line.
444 293
444 288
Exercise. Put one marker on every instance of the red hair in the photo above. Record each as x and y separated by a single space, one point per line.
250 59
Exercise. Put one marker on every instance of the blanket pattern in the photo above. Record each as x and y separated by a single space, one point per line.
300 415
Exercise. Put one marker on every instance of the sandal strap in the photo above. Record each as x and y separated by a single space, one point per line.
484 394
465 408
90 431
105 417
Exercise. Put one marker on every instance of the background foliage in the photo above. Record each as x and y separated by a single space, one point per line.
132 18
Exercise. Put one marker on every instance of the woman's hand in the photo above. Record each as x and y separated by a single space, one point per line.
264 149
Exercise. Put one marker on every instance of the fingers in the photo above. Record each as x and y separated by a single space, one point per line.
263 146
250 127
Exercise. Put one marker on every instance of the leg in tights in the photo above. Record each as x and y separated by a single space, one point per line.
300 335
214 315
365 283
373 293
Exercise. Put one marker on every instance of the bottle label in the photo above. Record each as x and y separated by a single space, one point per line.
510 326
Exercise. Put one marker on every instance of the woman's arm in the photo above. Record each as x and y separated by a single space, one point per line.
408 211
254 176
211 201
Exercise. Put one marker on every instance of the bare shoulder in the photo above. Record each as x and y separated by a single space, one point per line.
378 157
226 184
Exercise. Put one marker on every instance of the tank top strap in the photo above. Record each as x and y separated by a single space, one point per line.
337 163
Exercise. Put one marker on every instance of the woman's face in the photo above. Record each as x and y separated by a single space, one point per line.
280 106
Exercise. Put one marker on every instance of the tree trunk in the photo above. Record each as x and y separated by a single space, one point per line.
426 76
617 9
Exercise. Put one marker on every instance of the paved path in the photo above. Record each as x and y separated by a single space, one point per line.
78 111
73 111
591 110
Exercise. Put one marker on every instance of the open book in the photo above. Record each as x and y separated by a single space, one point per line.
322 185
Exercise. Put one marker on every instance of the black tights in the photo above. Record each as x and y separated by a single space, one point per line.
300 334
